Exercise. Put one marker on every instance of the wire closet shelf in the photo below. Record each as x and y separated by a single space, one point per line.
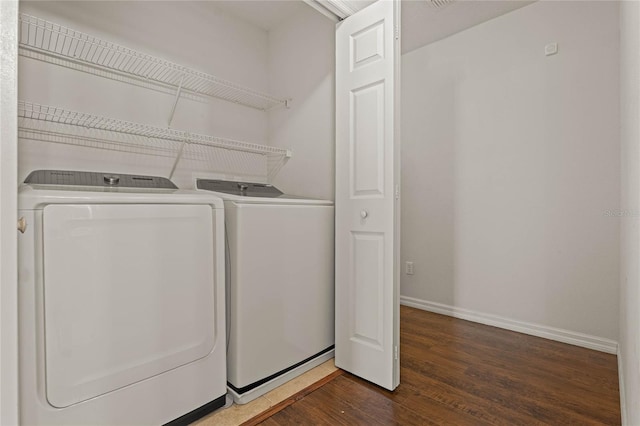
58 125
54 43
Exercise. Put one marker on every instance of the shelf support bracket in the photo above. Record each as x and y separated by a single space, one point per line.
178 157
175 102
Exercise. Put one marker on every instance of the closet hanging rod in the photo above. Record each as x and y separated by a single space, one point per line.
50 42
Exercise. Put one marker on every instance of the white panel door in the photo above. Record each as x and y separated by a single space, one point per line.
367 205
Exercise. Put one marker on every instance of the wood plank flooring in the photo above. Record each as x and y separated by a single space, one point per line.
457 372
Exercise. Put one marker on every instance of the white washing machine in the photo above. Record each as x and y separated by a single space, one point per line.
280 285
121 301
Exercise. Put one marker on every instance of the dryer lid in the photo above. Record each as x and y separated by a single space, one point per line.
121 304
99 179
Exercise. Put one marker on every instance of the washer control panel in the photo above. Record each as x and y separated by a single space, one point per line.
112 180
244 189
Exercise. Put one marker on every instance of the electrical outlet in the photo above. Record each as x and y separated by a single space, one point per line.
408 266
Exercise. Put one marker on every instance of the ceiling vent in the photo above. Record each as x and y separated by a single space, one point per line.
438 4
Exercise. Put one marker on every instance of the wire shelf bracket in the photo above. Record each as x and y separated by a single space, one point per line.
50 42
175 102
177 159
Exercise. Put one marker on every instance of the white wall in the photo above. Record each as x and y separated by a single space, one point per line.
301 65
629 350
510 164
189 33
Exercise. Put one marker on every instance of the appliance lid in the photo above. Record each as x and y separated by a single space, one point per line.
242 189
254 193
120 303
97 179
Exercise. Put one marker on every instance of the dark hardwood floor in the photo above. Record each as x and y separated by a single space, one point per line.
462 373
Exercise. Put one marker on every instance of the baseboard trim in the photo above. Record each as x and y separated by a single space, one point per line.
557 334
623 399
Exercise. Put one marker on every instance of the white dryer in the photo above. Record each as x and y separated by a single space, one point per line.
121 301
280 284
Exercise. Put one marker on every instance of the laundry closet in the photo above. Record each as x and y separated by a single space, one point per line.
127 96
509 137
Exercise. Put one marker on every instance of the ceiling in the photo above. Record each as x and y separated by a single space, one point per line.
423 21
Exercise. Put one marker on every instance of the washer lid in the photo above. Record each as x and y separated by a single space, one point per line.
242 189
253 193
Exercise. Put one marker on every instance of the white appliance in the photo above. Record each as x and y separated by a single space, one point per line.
280 285
121 300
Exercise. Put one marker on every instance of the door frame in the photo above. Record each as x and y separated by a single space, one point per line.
8 212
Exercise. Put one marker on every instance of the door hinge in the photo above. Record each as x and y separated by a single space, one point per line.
395 353
397 192
396 31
